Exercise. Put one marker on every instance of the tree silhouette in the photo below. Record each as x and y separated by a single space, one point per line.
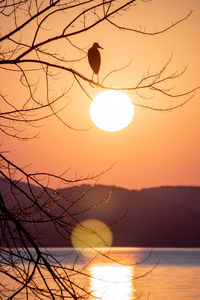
37 50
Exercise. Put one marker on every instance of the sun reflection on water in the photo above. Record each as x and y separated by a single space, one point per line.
111 282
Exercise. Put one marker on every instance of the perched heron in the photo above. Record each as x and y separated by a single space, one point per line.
94 58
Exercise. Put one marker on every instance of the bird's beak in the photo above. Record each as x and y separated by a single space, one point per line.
100 47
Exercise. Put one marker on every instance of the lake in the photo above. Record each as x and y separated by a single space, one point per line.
136 273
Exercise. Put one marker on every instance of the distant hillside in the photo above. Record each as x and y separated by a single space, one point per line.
154 217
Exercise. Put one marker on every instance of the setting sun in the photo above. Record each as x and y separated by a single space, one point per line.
111 111
91 234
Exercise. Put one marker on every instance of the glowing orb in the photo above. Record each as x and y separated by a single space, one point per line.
111 111
91 234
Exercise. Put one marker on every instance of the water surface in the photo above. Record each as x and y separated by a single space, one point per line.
130 273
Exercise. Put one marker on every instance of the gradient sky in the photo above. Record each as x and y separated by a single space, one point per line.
156 148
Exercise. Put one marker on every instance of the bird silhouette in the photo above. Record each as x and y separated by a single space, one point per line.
94 58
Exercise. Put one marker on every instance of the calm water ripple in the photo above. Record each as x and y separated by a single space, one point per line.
135 273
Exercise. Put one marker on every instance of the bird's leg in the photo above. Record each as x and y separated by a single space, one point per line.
92 79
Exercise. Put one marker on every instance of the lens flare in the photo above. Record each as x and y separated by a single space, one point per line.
91 234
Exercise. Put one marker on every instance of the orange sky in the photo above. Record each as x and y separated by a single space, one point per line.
156 148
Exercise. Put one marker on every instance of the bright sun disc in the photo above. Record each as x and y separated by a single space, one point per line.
90 234
111 111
